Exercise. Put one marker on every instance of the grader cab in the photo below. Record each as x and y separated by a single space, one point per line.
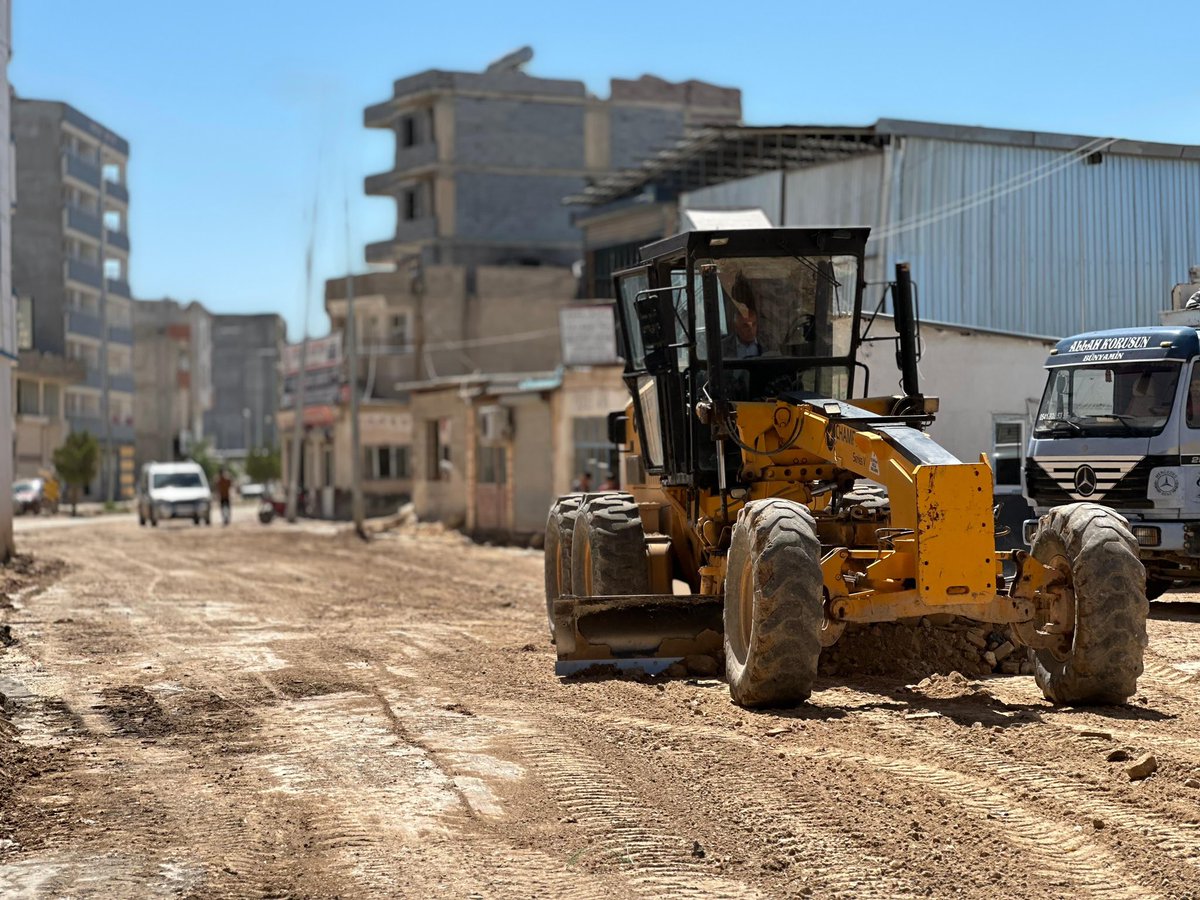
769 500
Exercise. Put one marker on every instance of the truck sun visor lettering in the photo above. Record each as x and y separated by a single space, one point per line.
1127 342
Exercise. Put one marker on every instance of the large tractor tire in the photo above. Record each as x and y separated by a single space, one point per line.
774 605
1094 549
560 527
608 548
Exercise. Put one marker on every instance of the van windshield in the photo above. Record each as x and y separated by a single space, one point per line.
1130 399
177 480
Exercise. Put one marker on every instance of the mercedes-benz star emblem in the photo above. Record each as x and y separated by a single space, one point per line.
1085 481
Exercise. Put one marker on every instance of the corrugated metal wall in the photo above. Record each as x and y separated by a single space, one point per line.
1045 250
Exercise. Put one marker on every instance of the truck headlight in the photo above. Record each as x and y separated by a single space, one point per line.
1147 535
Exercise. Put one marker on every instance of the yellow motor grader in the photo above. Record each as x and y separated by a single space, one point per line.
770 500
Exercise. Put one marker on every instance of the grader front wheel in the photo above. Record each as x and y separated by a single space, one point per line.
773 605
1102 589
560 528
608 548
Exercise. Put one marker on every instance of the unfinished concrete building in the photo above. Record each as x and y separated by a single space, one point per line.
172 376
484 159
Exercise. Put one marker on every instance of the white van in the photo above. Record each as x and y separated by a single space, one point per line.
173 491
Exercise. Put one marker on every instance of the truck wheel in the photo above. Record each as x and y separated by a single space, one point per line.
774 605
560 527
608 548
1156 587
1097 555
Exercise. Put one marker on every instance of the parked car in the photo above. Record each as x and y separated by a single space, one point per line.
28 496
173 491
251 490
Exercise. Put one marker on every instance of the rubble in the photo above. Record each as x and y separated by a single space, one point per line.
921 646
1145 766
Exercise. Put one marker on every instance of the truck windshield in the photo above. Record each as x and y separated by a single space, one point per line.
1130 399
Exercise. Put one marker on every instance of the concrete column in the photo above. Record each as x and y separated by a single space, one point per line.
8 310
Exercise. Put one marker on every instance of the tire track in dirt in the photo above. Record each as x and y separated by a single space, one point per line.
653 858
1045 851
1178 841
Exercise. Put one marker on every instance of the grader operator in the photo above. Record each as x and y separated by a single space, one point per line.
765 508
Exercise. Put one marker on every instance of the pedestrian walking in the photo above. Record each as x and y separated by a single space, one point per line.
583 483
224 485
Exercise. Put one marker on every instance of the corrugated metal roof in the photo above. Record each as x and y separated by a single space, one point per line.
715 155
1010 236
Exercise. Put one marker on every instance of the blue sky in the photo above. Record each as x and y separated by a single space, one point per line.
239 112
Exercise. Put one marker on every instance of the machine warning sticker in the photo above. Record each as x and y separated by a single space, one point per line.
874 464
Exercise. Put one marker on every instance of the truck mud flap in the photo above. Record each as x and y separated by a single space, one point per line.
639 631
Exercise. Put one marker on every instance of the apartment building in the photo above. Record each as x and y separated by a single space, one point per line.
484 159
172 376
70 250
246 387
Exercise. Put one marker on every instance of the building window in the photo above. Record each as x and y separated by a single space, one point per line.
408 131
437 442
385 463
1008 449
410 204
50 400
401 330
27 398
24 323
593 452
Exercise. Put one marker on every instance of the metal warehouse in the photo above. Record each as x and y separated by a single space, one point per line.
1017 231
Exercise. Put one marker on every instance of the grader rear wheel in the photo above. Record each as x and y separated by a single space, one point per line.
608 548
1100 658
560 527
773 605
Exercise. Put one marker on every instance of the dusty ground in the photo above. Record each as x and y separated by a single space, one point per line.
287 713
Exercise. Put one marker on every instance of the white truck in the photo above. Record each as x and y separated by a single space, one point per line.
1119 425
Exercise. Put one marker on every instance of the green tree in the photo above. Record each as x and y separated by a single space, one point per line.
263 465
77 462
201 454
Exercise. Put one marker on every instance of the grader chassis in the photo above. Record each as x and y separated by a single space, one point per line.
764 509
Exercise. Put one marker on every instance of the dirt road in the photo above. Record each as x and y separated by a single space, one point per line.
280 713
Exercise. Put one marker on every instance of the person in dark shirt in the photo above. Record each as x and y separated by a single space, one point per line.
224 485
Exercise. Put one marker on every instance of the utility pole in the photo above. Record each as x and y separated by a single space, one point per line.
301 376
356 494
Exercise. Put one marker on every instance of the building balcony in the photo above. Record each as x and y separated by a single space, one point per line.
84 222
84 272
94 425
119 335
117 239
119 287
122 432
408 161
85 324
116 191
82 169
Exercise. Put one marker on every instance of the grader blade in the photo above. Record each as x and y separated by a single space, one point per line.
640 631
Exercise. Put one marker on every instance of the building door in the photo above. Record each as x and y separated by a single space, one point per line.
491 488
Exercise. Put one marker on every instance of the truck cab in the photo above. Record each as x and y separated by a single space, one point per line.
1119 425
